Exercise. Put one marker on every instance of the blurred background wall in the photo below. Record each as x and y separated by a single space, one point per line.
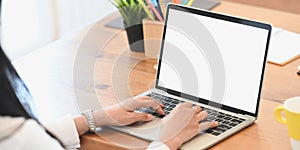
30 24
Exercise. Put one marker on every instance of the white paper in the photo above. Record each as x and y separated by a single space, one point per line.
275 31
284 46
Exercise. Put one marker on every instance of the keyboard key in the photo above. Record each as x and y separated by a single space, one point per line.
219 120
227 118
213 114
236 121
172 106
213 111
211 118
232 124
220 116
209 131
242 119
225 122
168 109
176 102
215 133
228 115
225 127
166 104
219 129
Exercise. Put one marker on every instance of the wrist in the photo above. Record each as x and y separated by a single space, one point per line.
81 125
174 143
100 118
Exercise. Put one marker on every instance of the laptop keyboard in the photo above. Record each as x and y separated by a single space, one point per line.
226 121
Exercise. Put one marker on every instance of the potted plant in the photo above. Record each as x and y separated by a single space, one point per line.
133 12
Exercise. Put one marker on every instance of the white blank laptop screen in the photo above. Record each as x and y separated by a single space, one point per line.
237 50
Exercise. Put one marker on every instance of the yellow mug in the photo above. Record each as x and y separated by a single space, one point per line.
291 109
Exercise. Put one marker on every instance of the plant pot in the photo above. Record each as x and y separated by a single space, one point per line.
135 37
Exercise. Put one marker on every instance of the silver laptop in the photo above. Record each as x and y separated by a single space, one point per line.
211 60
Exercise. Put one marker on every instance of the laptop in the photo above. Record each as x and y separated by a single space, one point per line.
211 60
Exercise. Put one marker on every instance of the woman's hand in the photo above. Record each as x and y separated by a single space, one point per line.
123 113
182 124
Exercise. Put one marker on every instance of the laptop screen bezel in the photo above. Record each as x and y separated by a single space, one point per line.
225 18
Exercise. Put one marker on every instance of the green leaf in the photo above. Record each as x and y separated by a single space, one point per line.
125 2
132 11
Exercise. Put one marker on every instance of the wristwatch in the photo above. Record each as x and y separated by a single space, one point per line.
90 119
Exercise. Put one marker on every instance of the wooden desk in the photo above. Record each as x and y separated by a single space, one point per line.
292 6
56 61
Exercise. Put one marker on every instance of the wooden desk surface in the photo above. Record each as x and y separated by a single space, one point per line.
292 6
277 18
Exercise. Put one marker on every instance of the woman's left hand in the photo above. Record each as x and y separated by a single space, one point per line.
123 113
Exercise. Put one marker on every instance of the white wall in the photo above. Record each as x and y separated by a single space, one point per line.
31 24
74 14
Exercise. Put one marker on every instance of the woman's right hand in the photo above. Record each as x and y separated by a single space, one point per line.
182 124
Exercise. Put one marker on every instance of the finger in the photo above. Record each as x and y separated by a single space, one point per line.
201 116
160 111
144 97
133 105
185 105
157 106
142 117
197 109
182 106
207 125
150 98
137 103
